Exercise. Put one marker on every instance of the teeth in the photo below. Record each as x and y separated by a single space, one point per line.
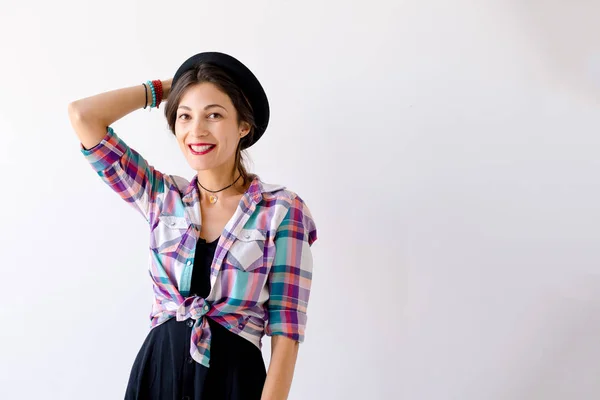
200 149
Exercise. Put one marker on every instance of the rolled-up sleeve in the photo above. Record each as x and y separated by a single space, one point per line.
126 172
290 276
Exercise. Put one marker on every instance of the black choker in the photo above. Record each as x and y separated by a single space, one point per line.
213 198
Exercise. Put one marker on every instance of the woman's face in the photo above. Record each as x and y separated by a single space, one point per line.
206 128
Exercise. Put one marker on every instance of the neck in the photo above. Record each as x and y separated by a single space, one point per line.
213 181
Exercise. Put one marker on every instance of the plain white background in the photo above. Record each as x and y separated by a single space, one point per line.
447 150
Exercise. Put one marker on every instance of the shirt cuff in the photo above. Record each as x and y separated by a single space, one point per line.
286 323
105 153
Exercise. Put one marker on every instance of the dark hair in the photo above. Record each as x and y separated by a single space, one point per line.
206 72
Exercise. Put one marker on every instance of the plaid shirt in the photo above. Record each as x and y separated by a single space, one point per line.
262 269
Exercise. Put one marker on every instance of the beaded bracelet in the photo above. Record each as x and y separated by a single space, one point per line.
153 94
159 91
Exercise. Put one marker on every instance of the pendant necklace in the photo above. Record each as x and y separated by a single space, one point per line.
213 197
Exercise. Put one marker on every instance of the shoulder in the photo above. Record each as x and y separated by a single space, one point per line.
280 195
177 182
288 208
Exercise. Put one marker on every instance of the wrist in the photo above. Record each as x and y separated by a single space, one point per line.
166 84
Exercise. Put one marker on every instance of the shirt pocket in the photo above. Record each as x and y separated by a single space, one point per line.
168 233
247 251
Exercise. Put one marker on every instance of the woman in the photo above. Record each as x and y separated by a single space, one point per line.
230 256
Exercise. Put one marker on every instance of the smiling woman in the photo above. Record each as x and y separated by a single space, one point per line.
230 255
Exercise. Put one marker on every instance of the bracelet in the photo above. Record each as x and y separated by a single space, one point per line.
159 91
153 94
146 94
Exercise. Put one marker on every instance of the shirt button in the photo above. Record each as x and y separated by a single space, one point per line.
190 323
206 307
189 262
241 326
190 360
247 236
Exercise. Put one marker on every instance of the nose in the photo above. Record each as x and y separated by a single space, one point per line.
199 128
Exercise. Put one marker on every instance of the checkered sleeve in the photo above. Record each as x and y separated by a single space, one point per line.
291 273
126 172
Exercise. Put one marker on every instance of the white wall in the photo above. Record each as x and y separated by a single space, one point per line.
448 151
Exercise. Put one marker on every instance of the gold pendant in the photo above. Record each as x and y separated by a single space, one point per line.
213 199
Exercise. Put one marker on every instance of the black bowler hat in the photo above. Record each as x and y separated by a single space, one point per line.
243 77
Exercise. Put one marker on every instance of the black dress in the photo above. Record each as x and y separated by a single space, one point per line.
164 370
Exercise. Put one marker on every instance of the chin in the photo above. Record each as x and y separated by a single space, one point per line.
199 168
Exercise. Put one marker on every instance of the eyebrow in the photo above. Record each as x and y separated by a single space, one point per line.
205 108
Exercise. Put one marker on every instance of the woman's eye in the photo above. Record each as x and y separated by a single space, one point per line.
183 115
214 115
